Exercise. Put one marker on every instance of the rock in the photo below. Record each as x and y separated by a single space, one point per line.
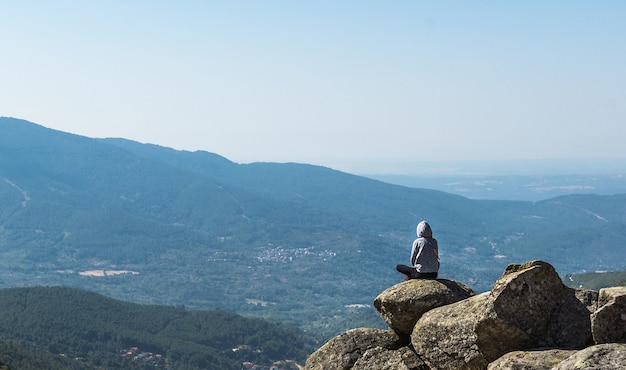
446 337
527 308
385 359
570 325
343 351
403 304
599 357
527 295
533 298
589 298
608 323
531 360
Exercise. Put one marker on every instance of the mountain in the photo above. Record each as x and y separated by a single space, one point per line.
301 244
64 328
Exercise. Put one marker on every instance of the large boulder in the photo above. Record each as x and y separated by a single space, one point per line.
531 360
403 304
343 351
533 297
611 356
446 337
608 323
529 307
570 324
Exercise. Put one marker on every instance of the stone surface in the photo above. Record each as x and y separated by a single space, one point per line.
403 304
533 298
570 324
608 323
589 298
386 359
446 337
529 307
610 356
531 360
526 296
343 351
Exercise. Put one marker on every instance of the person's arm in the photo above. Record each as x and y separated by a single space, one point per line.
416 251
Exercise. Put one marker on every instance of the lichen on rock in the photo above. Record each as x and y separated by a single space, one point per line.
403 304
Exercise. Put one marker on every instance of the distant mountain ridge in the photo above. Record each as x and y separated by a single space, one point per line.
298 243
534 187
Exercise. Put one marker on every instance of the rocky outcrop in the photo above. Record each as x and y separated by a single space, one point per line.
403 304
343 351
608 323
529 320
528 307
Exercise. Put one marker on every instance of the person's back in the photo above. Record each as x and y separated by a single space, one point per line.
424 255
425 251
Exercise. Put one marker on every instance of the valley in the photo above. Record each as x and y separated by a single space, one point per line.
303 245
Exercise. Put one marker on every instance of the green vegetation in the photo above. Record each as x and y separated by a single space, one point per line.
25 356
596 280
68 328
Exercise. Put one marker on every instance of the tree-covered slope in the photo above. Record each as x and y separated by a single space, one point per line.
94 331
596 280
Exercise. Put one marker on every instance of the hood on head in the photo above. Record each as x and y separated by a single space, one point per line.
423 230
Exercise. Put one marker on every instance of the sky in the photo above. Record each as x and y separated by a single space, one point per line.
359 86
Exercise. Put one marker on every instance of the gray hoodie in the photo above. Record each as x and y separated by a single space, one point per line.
425 251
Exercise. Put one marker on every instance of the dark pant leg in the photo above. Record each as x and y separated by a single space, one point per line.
406 270
411 273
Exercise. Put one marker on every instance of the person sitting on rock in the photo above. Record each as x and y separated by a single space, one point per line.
424 255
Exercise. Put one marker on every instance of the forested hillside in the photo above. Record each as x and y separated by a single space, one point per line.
63 328
300 244
596 280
